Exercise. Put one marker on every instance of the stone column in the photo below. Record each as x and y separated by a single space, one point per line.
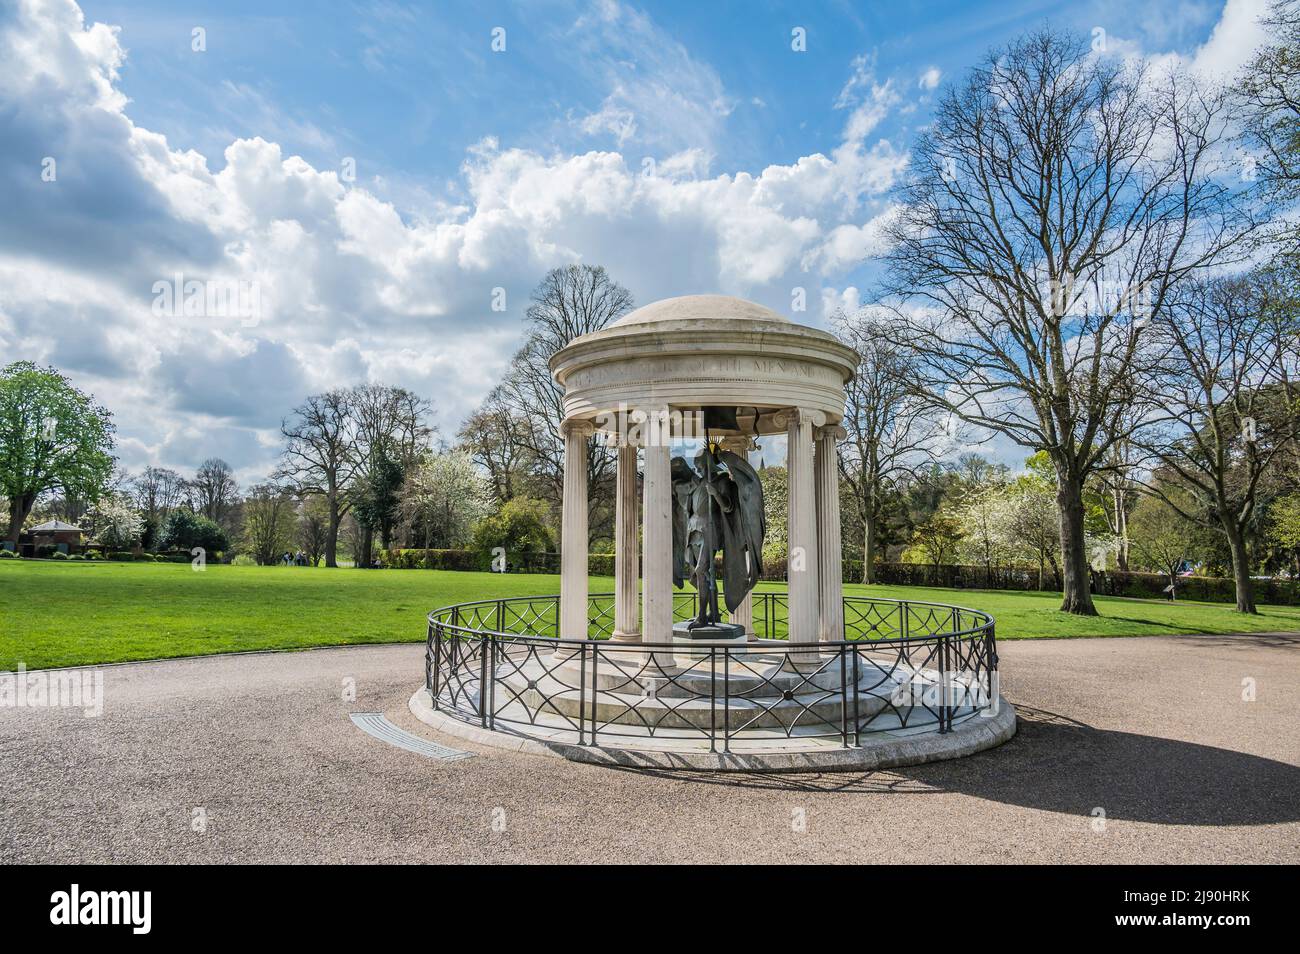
830 570
802 527
573 531
657 540
744 613
626 628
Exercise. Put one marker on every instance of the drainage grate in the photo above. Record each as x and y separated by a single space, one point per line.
375 724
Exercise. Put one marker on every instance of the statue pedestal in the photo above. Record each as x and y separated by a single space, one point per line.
703 638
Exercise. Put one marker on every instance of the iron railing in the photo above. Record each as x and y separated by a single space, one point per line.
902 664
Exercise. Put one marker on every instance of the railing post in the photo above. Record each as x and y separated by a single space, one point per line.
492 682
991 658
483 649
844 699
436 685
726 699
582 695
454 661
595 687
713 699
857 710
944 714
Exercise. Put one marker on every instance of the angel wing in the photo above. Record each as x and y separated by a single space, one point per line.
744 529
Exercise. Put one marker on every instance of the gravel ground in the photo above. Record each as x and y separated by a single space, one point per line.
1152 731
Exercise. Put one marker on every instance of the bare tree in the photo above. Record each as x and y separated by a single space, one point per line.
496 437
320 457
1117 488
158 491
390 430
891 432
1056 201
214 490
313 528
1226 408
571 301
269 522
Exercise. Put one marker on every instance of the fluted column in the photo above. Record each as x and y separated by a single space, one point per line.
802 526
830 570
626 628
743 615
573 532
657 538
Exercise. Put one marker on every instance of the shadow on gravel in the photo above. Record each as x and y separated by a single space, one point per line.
1059 765
1249 640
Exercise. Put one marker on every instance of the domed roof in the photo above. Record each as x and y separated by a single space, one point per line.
699 306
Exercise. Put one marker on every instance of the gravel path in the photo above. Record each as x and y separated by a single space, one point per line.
1152 731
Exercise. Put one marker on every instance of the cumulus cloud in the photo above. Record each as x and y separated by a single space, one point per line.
1236 36
349 287
353 283
930 78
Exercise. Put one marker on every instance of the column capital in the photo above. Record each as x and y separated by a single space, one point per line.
581 427
798 415
834 432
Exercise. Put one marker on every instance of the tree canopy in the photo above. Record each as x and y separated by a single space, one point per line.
53 436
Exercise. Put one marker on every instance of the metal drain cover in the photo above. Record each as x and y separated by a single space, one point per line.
375 724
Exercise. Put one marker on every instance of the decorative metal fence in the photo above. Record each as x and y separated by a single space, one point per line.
902 665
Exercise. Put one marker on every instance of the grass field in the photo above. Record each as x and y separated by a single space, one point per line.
63 614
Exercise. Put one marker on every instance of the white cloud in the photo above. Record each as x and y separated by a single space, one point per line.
1236 35
930 78
351 288
1235 38
660 97
869 99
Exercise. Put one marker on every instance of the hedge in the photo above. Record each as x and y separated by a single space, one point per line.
598 564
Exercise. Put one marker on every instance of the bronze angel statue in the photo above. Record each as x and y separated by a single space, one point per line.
717 505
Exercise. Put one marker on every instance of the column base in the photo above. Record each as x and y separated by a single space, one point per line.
563 653
618 637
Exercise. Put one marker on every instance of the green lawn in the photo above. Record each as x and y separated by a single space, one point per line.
61 614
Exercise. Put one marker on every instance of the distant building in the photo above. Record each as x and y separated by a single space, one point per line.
63 537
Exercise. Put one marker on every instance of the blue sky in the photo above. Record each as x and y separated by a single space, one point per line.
475 170
407 88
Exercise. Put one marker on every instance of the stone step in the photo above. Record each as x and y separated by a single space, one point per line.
813 707
754 674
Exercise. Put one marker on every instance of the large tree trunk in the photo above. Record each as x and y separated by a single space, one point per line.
1240 568
869 549
1075 578
332 535
367 547
19 508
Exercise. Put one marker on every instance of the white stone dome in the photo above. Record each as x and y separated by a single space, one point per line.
687 307
705 351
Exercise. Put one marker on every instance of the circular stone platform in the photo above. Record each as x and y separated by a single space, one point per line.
910 682
887 748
